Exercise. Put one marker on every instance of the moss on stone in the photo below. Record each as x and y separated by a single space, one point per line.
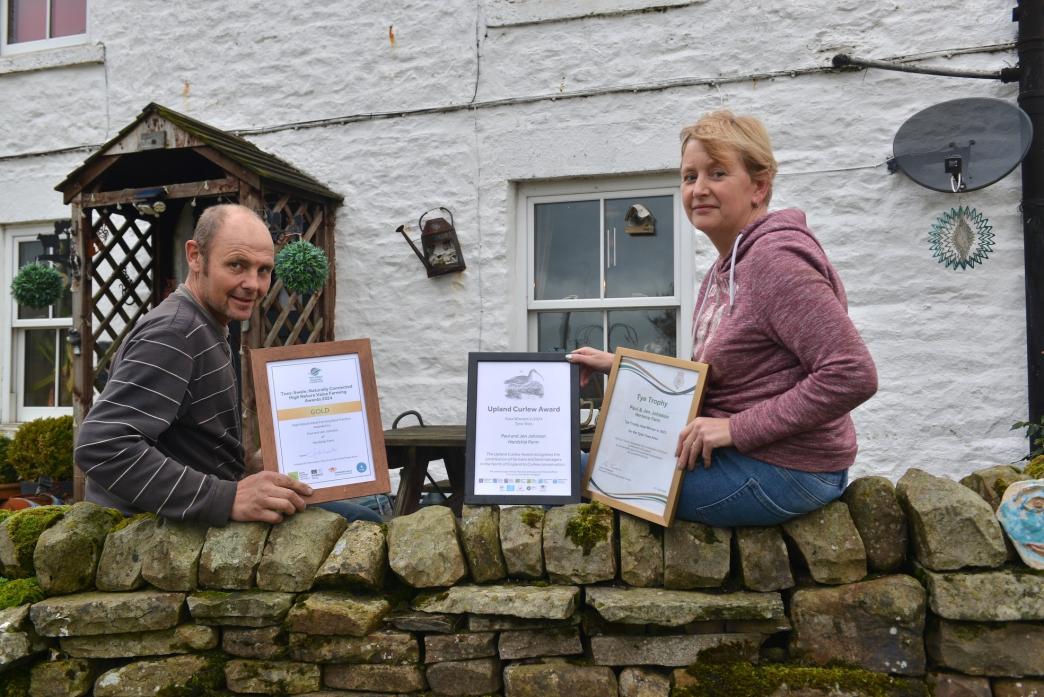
21 591
15 683
215 595
743 679
5 513
589 526
1035 468
25 527
532 518
208 682
122 522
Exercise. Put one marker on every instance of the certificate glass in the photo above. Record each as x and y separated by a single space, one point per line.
523 435
320 419
648 401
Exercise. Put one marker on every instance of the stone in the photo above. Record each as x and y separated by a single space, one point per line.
758 626
119 568
998 649
989 596
87 614
990 483
671 608
19 533
160 642
378 647
534 643
499 623
479 528
70 677
252 608
828 541
643 682
231 555
522 541
271 677
459 647
877 625
1023 687
880 520
148 678
550 602
171 561
641 552
695 555
952 685
296 548
558 680
479 676
330 612
375 678
67 553
950 526
358 559
677 650
411 621
764 563
423 549
579 543
18 637
265 643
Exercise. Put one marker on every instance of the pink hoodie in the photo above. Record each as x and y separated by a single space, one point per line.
787 364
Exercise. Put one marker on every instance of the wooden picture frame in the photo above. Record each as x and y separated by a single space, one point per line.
308 396
523 432
638 431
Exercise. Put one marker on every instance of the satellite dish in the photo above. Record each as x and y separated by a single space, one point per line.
963 144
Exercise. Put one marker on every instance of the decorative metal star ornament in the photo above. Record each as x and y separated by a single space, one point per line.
961 238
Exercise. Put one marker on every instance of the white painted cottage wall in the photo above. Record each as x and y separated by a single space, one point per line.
950 346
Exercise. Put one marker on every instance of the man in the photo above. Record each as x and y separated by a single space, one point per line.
164 435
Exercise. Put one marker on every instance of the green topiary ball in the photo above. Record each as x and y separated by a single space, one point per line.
37 285
43 448
302 266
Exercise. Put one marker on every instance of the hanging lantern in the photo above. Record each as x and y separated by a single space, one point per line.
439 247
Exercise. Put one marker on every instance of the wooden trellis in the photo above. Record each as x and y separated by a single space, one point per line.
125 252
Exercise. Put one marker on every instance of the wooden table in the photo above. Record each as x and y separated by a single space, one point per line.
413 447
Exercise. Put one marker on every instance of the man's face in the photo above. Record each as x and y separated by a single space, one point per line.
237 271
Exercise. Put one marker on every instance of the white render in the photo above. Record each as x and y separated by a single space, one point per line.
950 345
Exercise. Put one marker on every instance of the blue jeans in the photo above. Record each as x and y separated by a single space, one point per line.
740 491
352 510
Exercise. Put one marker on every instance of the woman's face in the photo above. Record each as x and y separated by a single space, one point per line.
719 196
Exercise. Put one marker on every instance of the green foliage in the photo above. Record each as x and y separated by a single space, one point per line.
7 472
20 591
43 448
37 285
302 266
1035 433
590 525
24 528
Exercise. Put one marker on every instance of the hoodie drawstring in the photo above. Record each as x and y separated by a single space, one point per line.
732 272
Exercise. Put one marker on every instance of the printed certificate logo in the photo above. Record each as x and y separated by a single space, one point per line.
315 375
361 467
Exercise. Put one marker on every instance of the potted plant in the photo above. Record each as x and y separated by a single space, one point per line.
43 449
9 485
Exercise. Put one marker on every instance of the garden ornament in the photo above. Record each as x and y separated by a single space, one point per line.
1021 513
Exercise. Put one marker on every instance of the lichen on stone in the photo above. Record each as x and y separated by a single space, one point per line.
25 527
720 678
589 526
20 591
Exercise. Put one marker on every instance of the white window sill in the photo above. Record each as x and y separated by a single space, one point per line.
52 58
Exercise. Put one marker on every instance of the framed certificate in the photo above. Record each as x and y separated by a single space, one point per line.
319 417
648 401
523 435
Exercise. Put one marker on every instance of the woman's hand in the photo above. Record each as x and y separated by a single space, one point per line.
591 361
699 438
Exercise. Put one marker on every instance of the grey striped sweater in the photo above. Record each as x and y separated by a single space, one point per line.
164 435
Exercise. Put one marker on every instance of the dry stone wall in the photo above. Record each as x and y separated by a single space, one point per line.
892 591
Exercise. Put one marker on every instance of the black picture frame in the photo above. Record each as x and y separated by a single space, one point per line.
535 497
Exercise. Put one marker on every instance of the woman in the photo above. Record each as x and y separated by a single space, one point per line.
787 365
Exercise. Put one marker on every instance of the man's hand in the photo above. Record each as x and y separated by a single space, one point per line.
268 497
699 438
590 361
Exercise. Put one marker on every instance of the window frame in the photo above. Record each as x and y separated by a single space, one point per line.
12 385
528 195
10 49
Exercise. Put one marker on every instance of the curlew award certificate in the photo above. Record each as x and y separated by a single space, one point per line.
523 434
649 399
317 411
